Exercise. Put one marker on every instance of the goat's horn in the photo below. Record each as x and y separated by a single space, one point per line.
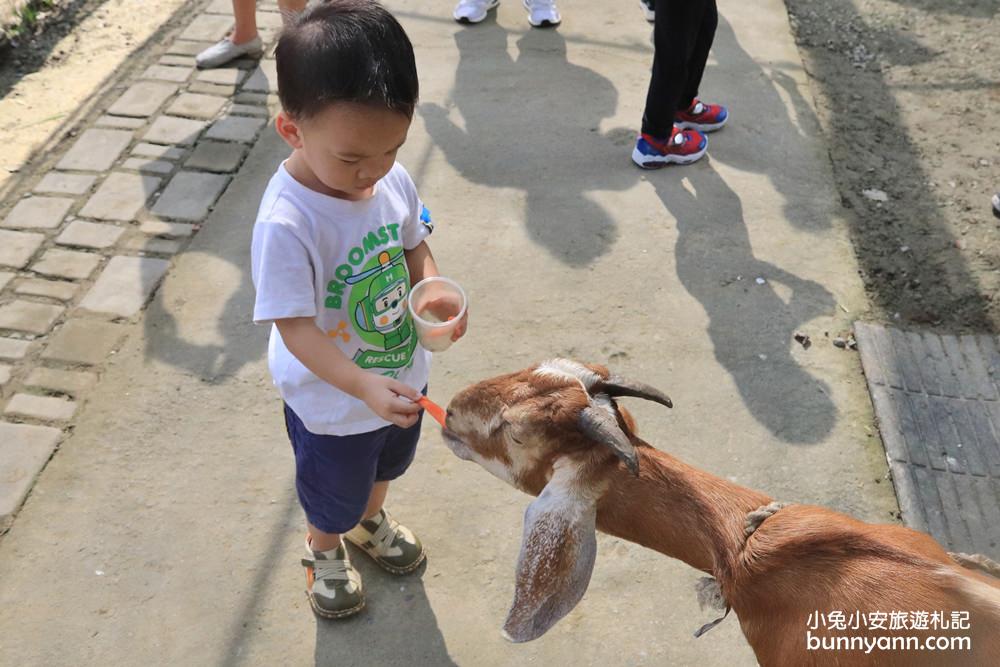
618 386
601 426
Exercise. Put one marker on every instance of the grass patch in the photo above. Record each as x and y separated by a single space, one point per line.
26 19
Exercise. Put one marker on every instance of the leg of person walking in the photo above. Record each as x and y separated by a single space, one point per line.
244 40
692 113
676 32
703 38
245 15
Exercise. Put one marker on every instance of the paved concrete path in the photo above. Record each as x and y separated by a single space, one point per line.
87 234
165 529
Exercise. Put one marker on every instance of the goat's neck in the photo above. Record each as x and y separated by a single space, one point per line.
679 511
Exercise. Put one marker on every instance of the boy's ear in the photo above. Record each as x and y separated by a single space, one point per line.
557 558
288 129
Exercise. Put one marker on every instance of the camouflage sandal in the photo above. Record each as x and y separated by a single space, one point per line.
394 547
332 584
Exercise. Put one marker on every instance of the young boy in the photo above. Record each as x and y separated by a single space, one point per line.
338 242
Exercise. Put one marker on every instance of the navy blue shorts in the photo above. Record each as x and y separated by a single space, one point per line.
334 474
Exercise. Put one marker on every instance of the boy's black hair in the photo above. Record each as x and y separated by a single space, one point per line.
345 51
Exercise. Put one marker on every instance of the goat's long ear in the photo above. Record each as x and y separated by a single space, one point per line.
599 422
557 558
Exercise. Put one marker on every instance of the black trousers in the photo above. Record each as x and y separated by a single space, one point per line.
682 36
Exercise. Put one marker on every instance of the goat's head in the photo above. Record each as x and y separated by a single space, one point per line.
552 430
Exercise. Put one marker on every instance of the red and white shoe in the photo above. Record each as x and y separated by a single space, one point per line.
702 117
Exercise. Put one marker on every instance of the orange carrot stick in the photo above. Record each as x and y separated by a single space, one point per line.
433 409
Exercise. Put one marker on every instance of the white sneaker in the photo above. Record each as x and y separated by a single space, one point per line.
473 11
224 51
648 10
542 13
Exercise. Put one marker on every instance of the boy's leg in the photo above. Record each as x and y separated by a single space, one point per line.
393 546
377 498
334 476
320 541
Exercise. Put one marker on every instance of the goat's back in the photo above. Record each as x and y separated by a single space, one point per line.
808 561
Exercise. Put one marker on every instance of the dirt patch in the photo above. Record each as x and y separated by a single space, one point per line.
907 91
49 78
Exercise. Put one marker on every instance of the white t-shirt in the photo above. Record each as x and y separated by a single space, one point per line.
341 262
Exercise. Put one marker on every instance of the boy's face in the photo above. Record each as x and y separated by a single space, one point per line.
348 147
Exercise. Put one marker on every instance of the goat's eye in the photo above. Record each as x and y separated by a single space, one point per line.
510 432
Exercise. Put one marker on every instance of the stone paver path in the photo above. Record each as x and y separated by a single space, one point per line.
83 246
937 399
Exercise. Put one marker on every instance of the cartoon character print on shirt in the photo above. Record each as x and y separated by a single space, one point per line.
379 308
374 285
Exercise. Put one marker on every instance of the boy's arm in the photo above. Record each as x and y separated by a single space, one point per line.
421 263
324 359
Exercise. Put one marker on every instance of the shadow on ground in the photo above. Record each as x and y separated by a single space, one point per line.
392 601
751 334
551 157
750 325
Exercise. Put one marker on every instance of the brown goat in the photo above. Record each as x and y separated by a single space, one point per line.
556 432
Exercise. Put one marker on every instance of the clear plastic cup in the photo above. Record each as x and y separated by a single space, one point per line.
437 305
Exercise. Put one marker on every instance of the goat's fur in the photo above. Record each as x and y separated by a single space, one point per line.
525 429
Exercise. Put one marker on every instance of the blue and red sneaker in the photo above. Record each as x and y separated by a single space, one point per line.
683 147
702 117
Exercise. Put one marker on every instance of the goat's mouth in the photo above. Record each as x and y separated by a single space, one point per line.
456 444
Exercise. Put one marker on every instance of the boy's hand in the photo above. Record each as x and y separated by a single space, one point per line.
463 324
443 309
383 395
